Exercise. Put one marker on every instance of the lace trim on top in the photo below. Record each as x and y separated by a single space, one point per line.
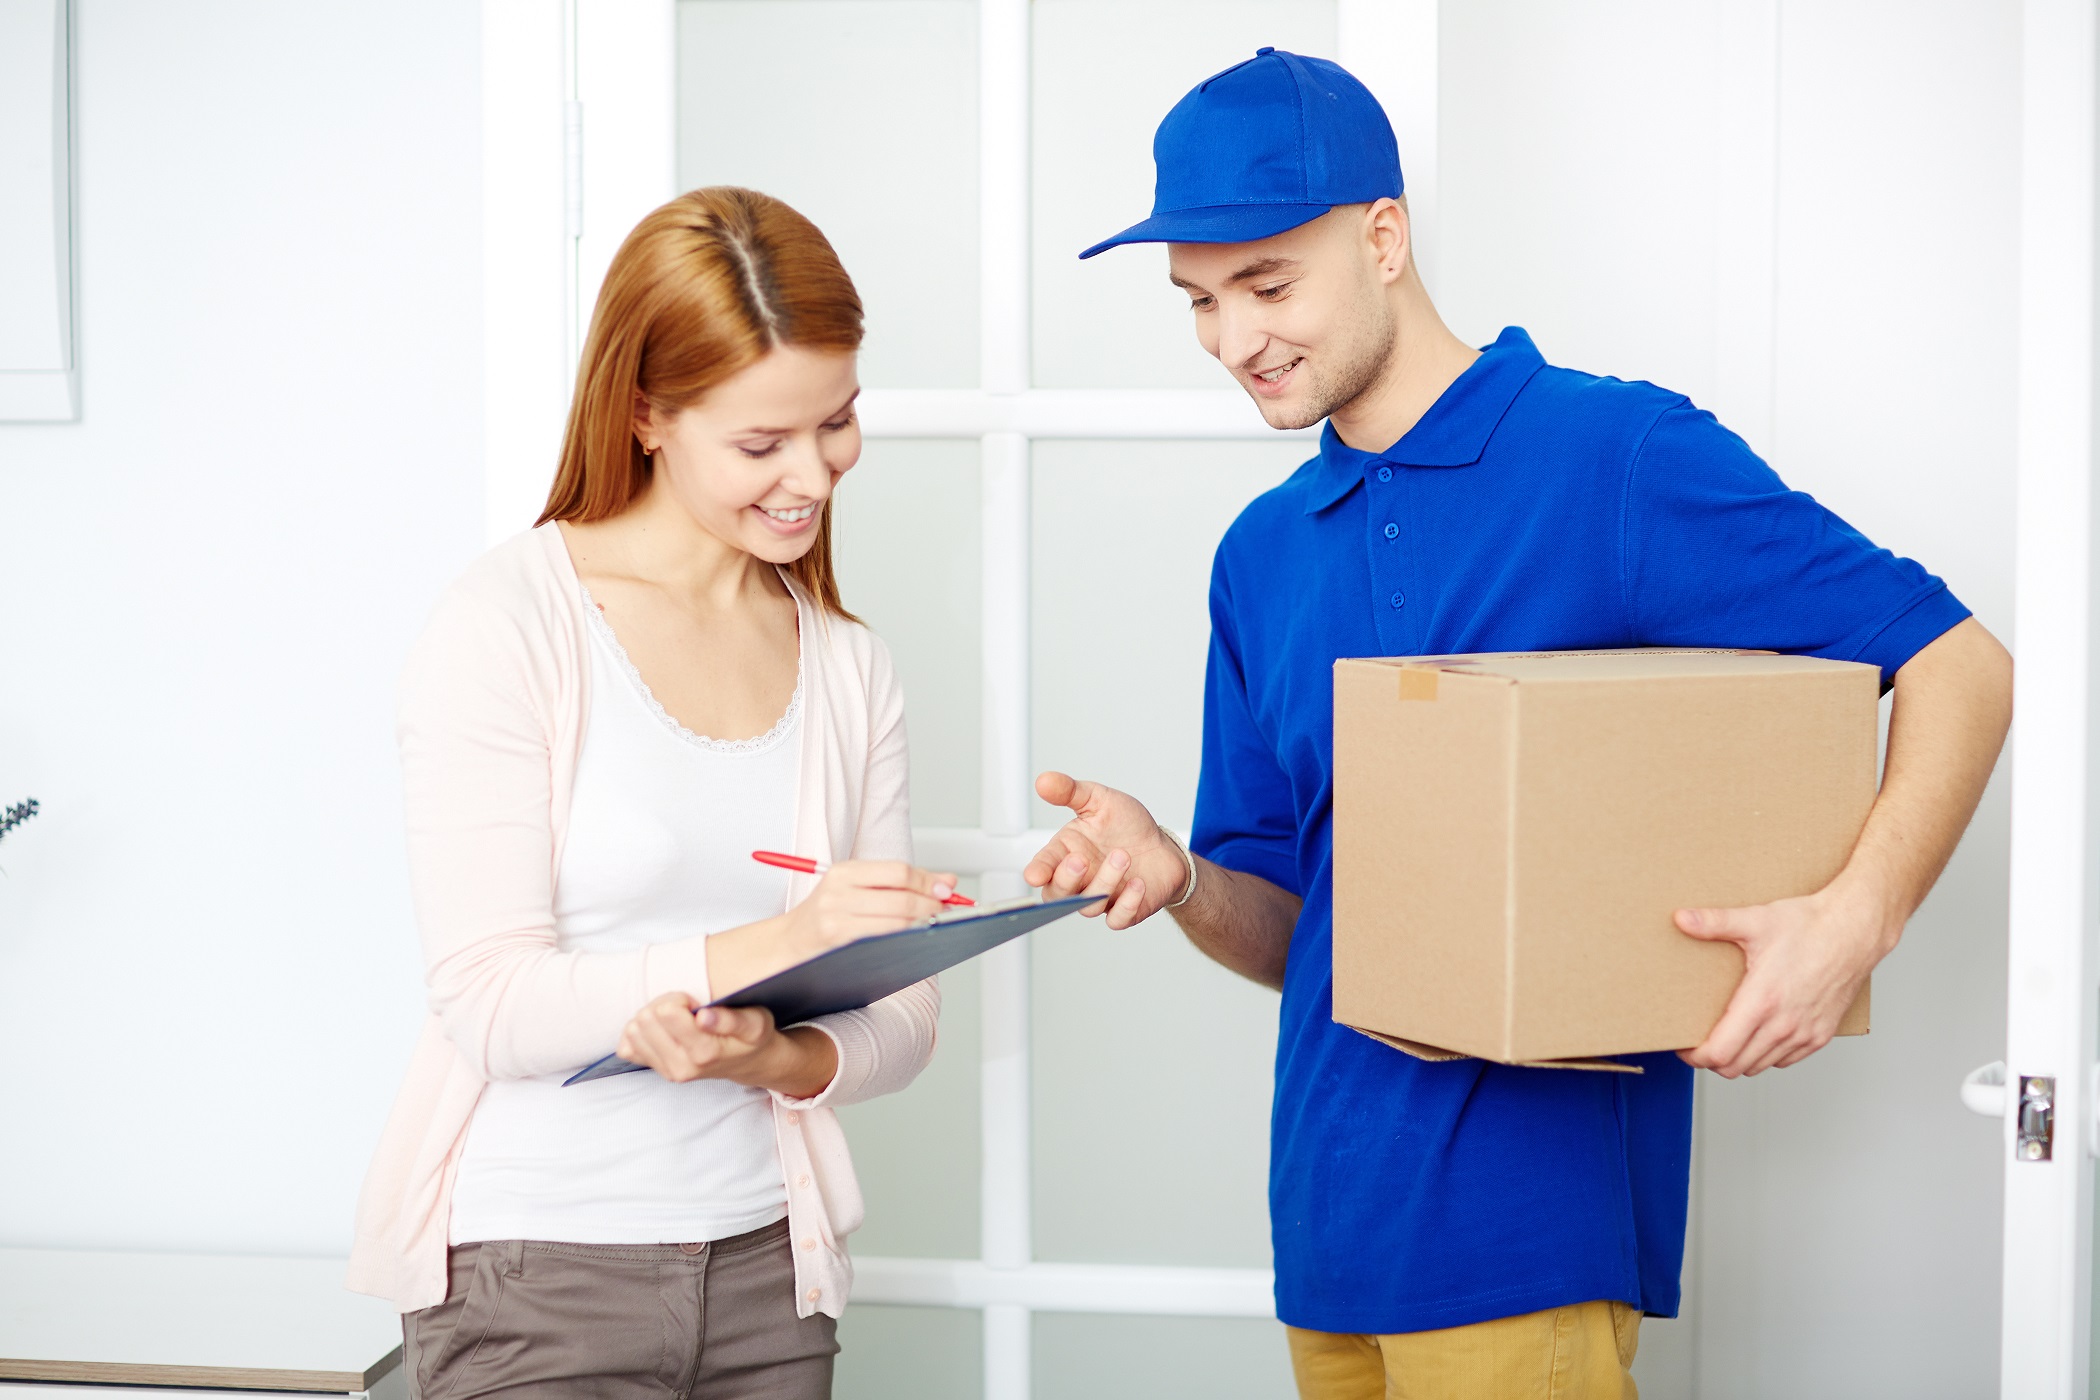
760 744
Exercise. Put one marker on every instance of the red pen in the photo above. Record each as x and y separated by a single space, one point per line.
817 867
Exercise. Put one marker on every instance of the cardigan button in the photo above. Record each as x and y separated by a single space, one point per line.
814 1294
803 1181
809 1241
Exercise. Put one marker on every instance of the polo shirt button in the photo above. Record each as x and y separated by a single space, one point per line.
1399 600
1392 532
1385 473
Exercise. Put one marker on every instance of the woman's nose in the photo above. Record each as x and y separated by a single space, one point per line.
807 474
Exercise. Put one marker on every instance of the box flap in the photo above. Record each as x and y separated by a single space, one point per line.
1430 1052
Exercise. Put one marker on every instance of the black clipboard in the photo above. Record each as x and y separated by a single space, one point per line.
855 974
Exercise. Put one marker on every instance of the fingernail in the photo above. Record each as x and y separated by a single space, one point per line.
1118 859
942 890
706 1018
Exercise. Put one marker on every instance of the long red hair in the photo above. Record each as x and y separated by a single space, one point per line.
703 288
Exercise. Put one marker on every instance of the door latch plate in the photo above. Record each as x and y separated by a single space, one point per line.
2037 1128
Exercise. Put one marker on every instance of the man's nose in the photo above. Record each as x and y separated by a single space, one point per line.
1240 339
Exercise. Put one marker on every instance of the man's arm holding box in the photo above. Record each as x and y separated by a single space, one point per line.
1807 957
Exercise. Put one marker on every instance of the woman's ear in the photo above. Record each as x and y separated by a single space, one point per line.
648 429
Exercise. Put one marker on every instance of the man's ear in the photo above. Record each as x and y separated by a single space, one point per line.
1392 238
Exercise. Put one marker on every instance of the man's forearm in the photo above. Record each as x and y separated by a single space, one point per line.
1240 921
1952 707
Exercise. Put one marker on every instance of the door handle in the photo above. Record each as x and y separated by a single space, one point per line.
1983 1089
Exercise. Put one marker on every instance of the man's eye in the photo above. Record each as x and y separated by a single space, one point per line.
1201 303
768 450
1275 293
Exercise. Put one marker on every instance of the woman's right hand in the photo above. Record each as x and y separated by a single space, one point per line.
860 898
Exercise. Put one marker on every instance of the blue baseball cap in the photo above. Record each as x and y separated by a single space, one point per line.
1263 147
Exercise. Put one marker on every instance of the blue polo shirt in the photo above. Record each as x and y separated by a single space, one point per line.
1532 508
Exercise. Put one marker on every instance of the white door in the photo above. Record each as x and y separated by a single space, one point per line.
1049 456
2044 1088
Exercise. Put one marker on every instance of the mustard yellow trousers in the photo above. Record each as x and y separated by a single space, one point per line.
1581 1352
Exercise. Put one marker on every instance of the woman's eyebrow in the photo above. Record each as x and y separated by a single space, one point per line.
783 432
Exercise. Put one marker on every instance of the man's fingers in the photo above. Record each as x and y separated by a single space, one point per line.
1724 925
1773 1038
1062 846
1107 882
1129 906
1725 1042
1064 790
1074 872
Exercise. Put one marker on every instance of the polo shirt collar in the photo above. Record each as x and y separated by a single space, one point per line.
1453 433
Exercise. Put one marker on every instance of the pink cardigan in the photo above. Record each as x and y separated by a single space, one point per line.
492 718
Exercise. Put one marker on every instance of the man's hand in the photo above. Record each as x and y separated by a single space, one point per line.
1805 960
1112 847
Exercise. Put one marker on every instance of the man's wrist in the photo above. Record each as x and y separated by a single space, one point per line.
1181 884
1860 901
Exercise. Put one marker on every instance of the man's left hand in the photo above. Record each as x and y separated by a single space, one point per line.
1804 961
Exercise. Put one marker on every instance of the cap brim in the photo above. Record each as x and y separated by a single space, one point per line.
1220 223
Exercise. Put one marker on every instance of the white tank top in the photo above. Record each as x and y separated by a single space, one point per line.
661 830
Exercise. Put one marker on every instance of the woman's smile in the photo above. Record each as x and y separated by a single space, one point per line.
792 520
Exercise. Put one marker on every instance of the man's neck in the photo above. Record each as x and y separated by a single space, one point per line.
1426 360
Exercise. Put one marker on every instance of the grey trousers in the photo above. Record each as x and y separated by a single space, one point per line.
532 1320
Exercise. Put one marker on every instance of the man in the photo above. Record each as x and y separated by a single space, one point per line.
1467 1229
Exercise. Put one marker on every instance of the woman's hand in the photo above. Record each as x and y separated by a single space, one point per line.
854 899
682 1040
861 898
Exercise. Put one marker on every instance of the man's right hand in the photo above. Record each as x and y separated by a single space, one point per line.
1112 847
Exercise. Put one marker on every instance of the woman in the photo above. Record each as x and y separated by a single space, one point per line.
580 857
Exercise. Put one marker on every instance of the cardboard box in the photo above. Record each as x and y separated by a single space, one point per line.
1513 833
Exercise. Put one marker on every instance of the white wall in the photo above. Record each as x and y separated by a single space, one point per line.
208 984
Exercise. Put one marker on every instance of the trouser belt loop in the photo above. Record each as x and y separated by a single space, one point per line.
513 1258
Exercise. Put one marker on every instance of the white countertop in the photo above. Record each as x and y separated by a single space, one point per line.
190 1320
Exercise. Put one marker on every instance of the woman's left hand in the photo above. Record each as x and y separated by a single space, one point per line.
682 1040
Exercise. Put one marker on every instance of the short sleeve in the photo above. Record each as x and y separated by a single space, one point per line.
1246 818
1717 551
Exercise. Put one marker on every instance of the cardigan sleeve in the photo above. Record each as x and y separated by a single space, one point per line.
883 1047
476 725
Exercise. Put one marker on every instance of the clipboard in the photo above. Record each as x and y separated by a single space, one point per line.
855 974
